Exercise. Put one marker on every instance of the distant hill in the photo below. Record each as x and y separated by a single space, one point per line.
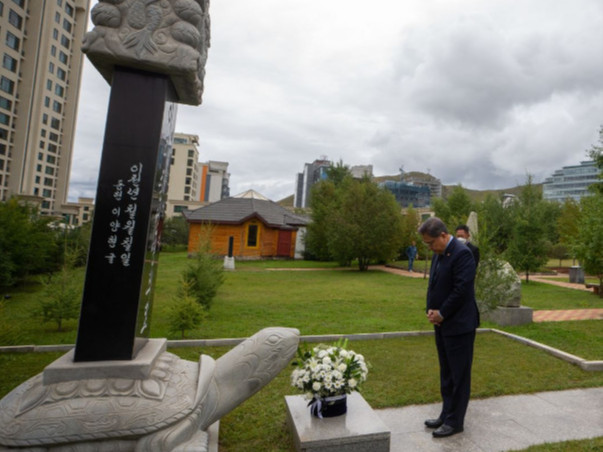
480 195
409 174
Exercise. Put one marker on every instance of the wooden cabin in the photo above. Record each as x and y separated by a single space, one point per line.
260 228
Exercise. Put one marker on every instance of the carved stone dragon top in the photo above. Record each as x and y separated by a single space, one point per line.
169 37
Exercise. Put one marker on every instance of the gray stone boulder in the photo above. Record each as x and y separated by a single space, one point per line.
512 299
502 286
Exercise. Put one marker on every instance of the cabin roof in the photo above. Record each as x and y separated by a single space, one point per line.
237 210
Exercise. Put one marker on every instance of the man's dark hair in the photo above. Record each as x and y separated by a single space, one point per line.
463 227
433 227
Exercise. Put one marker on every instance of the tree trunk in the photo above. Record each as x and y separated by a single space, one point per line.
363 264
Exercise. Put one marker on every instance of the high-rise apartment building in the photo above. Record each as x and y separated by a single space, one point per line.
40 43
193 184
313 172
571 182
215 180
184 180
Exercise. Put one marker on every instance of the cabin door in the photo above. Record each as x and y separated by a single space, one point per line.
283 248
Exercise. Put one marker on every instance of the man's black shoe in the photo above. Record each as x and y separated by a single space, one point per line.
446 430
434 423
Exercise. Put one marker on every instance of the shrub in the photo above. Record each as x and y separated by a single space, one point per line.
185 314
203 277
62 294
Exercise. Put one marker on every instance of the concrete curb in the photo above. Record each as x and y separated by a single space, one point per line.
573 359
231 342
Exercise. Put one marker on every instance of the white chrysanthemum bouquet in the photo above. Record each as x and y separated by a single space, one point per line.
327 371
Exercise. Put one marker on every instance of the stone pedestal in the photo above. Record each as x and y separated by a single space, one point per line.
229 263
359 430
510 316
65 369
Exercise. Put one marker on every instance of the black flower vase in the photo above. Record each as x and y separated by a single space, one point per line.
329 406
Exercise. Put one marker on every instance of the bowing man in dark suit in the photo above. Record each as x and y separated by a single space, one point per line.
452 309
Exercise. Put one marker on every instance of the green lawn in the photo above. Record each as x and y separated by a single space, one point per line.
582 338
253 296
587 445
404 370
538 295
564 263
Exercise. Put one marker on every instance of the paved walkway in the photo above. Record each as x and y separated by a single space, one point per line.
399 271
502 423
562 315
557 282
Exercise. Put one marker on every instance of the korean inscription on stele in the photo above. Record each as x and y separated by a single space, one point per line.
123 220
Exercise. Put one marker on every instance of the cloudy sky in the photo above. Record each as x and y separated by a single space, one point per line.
475 92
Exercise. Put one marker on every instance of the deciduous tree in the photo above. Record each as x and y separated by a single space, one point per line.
366 224
322 203
353 219
567 224
527 248
596 153
410 222
589 241
28 244
460 206
495 224
175 232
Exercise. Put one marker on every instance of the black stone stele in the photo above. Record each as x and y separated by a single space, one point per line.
130 200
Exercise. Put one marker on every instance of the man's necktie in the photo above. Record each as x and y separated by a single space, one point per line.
436 264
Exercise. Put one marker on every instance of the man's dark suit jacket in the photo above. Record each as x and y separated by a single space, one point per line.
475 250
451 289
